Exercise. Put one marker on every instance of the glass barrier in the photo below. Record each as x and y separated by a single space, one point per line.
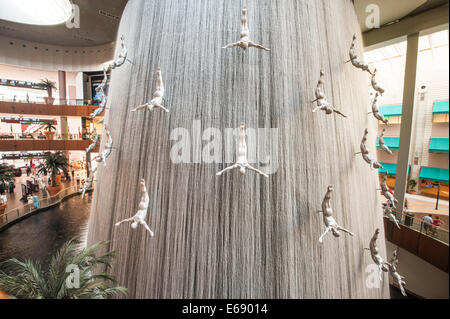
35 136
409 220
24 210
41 100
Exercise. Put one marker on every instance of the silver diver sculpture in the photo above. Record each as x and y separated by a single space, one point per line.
242 161
389 214
355 60
244 41
122 56
89 181
375 254
386 191
365 153
375 85
158 96
139 218
94 143
383 145
376 110
322 103
108 148
101 89
398 279
328 220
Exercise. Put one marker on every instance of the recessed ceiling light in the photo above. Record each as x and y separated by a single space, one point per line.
36 12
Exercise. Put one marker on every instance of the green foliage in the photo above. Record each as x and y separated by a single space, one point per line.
49 127
48 85
412 184
27 280
6 174
53 163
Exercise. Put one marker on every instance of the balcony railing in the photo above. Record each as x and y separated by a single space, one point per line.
22 211
41 100
407 219
21 136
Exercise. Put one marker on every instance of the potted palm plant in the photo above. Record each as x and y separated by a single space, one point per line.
28 280
48 85
54 163
6 176
412 186
49 131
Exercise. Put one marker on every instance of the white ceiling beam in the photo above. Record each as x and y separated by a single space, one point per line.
424 23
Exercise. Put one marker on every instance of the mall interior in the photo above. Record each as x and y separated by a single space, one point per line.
112 119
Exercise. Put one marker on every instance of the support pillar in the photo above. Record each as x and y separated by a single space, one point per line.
409 89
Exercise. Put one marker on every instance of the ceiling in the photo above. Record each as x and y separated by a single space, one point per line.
99 21
391 10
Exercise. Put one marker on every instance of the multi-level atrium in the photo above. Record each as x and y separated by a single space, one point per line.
264 149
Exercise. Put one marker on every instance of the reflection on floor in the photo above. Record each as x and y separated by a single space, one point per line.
38 237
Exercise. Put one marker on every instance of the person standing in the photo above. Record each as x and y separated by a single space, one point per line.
11 187
427 222
436 225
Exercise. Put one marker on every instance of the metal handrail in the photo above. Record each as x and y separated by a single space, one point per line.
27 209
418 224
57 137
40 100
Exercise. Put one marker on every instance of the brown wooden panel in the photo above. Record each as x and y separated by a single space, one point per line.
406 238
44 145
433 251
45 109
429 249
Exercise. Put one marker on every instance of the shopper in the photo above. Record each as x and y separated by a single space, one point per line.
427 222
11 187
2 188
436 225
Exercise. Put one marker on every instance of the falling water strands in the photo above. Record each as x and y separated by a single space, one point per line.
236 236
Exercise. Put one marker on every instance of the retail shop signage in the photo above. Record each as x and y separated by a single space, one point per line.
13 156
29 121
21 84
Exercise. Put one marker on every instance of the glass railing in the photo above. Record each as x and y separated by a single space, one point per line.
41 100
27 209
409 220
21 136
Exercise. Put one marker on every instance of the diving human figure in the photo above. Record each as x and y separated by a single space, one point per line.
365 153
244 41
139 218
242 161
108 148
386 191
389 214
383 145
157 99
322 103
375 254
328 220
375 85
376 110
398 279
355 59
